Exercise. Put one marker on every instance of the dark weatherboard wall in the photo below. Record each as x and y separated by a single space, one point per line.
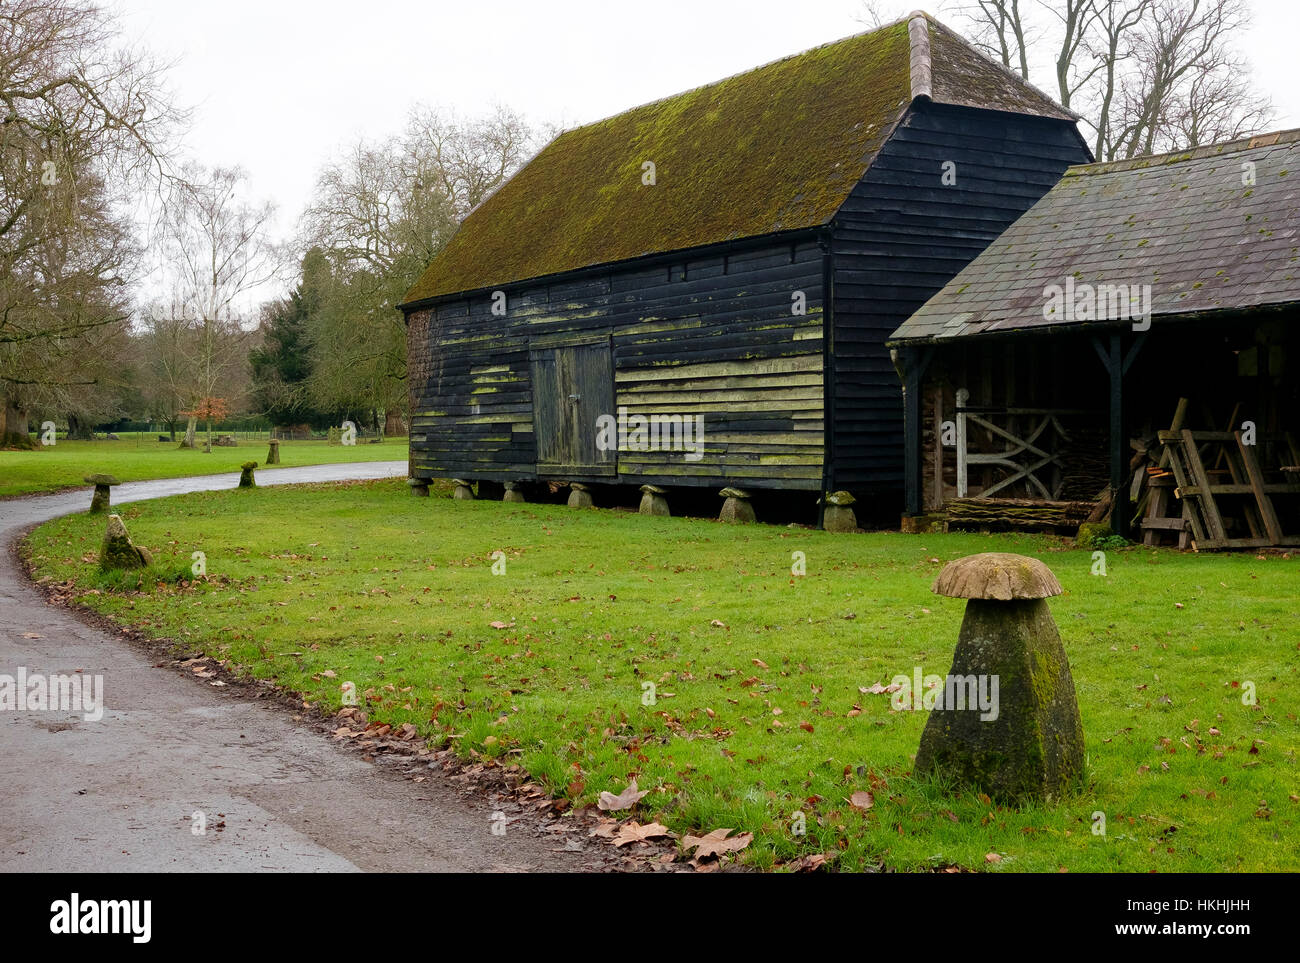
709 333
902 235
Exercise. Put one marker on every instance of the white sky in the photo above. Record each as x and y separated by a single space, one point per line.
280 86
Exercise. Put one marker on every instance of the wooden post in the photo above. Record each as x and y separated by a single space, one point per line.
1118 442
915 361
962 397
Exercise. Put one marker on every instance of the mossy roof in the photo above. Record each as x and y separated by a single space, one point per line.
1212 229
774 149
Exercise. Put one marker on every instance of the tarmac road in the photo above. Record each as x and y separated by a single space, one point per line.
117 795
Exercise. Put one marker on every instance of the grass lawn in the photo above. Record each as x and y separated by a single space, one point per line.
759 712
63 465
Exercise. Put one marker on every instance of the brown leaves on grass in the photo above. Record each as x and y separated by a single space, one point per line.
717 843
878 689
807 864
862 800
633 832
628 798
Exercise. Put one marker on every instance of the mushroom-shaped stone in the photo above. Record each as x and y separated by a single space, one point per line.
273 451
1006 720
996 575
513 493
580 496
118 551
100 500
653 501
464 490
736 508
838 515
246 475
419 487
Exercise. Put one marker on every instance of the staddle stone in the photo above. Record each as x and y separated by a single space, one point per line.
838 515
580 496
246 475
273 451
99 501
118 551
653 501
1029 743
736 508
513 494
419 487
464 490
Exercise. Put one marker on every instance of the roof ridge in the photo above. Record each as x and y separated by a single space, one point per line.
739 73
918 35
1250 142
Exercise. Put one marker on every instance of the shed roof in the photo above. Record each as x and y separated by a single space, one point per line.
774 149
1212 229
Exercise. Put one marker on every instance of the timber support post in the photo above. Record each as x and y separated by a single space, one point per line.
1117 364
914 362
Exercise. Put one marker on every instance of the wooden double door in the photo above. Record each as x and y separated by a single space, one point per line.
573 385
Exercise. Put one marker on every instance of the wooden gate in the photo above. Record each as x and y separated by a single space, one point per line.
573 385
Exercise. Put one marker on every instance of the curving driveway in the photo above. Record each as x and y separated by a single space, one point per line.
117 795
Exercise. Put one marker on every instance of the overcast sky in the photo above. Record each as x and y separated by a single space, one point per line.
280 86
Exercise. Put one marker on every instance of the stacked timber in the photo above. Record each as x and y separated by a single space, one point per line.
1031 513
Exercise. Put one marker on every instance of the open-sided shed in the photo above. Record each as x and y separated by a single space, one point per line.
711 277
1133 339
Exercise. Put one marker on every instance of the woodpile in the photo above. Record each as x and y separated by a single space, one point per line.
1022 513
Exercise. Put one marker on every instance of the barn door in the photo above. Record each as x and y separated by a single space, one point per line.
573 385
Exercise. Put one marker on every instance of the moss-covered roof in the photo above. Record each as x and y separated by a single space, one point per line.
776 148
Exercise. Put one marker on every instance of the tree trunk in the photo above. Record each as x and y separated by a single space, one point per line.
79 430
13 426
191 423
394 423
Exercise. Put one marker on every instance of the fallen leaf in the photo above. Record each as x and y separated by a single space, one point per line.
502 625
862 800
624 800
716 843
633 832
807 864
992 858
759 662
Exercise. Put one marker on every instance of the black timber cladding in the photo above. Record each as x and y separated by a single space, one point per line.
712 335
902 234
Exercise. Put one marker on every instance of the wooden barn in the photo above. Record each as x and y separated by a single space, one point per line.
697 292
1127 352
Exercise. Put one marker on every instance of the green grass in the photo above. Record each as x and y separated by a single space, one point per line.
397 594
64 464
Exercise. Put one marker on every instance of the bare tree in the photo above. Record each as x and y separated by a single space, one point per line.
216 253
81 120
1000 29
1145 75
1109 47
1188 81
380 213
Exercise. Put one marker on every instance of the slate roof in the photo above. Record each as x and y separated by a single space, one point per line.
774 149
1185 223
